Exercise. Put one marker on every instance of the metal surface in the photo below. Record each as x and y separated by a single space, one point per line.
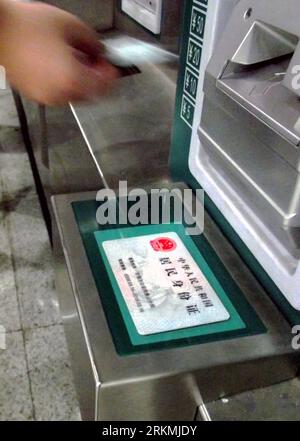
63 161
85 376
145 386
259 90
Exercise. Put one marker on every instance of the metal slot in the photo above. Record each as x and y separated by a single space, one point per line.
254 78
269 184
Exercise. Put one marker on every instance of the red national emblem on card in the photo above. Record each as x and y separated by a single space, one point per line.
163 244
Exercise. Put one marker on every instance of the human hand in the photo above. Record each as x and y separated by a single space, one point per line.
50 56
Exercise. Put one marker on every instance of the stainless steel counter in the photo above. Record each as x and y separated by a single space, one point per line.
146 385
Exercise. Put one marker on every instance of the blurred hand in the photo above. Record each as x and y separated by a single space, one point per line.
50 56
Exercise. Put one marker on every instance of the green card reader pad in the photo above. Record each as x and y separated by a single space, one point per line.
161 288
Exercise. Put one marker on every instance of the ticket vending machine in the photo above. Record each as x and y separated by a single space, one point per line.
155 316
237 122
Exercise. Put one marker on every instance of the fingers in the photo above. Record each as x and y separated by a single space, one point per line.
94 80
72 30
84 81
73 79
84 39
92 75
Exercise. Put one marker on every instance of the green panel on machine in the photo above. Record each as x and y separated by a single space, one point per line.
190 66
218 312
187 86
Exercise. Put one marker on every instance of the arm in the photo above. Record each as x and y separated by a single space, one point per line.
51 56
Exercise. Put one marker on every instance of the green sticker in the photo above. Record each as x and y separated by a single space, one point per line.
197 23
191 84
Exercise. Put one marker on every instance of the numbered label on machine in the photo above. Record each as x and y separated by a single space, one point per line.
163 287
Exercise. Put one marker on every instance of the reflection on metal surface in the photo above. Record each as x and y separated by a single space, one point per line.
103 181
202 413
125 51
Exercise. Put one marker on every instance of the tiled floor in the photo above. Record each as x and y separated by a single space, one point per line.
35 376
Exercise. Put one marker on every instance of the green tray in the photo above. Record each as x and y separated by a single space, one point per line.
244 320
